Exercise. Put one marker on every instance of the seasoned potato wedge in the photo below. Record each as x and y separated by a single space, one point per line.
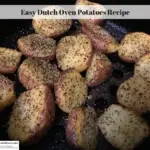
123 128
142 67
74 52
51 27
99 70
32 115
70 90
34 72
37 46
101 39
133 93
9 60
82 129
133 46
94 21
7 92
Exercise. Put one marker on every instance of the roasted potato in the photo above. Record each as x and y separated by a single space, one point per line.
99 70
35 72
133 93
74 51
142 67
7 92
70 90
51 27
123 128
133 46
32 115
82 129
101 39
37 46
9 60
94 21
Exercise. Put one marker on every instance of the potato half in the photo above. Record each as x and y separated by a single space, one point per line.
99 70
82 129
74 52
9 60
7 92
37 46
51 27
70 90
101 39
133 93
142 67
32 115
133 46
86 3
123 128
35 72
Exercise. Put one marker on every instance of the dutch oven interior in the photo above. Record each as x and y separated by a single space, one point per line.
100 97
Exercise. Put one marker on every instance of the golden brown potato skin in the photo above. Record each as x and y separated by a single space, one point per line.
22 126
7 92
37 46
82 129
99 70
102 41
133 46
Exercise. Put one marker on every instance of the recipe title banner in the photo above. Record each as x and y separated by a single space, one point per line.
75 11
